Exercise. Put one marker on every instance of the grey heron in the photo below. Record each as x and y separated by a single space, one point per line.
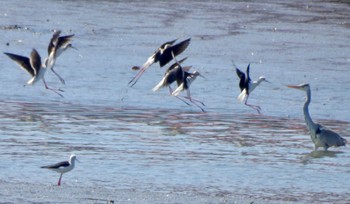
320 136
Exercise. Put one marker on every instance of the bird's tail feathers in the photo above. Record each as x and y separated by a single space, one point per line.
31 81
159 85
178 90
242 96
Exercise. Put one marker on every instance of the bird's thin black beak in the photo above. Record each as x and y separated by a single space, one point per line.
202 76
71 46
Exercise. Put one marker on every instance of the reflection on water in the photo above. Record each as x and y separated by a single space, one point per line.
170 149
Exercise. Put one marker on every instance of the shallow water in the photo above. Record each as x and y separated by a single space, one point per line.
136 139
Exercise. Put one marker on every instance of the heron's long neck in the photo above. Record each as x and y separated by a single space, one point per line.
311 125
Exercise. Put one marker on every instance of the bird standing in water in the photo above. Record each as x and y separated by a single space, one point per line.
320 136
164 54
34 67
247 86
63 167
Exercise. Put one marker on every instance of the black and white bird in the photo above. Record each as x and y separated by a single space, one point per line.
164 54
247 86
188 78
174 73
34 67
57 45
320 135
62 167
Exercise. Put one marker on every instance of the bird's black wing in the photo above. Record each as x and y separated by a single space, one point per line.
35 61
64 40
248 76
175 64
53 42
177 49
167 43
57 165
241 76
23 62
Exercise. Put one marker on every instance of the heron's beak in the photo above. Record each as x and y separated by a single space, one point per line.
77 160
293 87
268 81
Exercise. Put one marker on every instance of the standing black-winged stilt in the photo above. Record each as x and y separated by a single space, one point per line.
34 67
57 45
320 136
62 167
247 86
164 54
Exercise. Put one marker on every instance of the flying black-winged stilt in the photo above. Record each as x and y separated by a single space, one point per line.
320 136
174 73
164 54
34 67
62 167
57 45
188 78
247 86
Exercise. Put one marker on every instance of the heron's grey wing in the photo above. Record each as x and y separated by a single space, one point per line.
23 62
57 165
35 61
329 137
177 49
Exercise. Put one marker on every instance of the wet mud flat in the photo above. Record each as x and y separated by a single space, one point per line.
37 193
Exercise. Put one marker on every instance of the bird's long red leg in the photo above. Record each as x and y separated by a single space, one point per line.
61 79
137 76
257 108
178 97
54 90
59 180
193 100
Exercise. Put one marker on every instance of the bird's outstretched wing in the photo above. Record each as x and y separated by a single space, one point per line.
35 61
177 49
248 75
241 76
175 64
23 62
53 42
